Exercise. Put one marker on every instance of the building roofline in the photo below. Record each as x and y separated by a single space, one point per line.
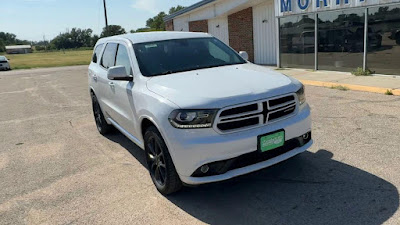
187 9
9 47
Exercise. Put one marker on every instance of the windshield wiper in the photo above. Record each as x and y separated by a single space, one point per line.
197 67
166 72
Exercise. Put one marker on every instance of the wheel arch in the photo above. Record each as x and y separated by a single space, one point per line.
147 121
91 90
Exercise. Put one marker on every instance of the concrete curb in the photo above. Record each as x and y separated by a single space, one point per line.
351 87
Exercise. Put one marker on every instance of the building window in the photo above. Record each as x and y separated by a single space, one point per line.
384 39
297 41
341 40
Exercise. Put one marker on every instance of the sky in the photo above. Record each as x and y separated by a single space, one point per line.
34 20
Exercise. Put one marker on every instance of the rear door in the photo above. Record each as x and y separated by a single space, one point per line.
107 61
94 68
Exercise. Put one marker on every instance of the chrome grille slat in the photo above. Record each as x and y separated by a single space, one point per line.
263 112
243 114
283 108
281 105
239 119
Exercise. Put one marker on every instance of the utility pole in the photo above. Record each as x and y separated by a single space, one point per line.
105 12
44 42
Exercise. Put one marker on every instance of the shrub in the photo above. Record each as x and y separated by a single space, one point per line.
360 72
388 92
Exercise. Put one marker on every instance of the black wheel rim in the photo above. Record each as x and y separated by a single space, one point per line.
156 161
97 114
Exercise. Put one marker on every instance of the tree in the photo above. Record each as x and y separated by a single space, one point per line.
175 9
94 40
76 38
157 22
2 46
10 39
112 30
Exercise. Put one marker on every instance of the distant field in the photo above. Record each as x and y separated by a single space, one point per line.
50 59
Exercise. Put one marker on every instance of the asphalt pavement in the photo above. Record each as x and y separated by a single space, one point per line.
55 168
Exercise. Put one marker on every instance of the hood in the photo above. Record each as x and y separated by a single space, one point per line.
221 86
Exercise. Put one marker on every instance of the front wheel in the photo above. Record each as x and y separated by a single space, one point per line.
159 163
102 126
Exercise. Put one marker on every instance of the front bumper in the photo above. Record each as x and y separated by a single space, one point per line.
191 149
245 170
4 66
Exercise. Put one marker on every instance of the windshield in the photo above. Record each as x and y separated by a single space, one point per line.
171 56
2 58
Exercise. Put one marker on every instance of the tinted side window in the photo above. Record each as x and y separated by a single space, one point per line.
96 53
108 59
123 59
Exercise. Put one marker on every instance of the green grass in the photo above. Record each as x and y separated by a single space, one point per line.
50 59
340 87
388 92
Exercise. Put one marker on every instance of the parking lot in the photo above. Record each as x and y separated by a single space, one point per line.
55 168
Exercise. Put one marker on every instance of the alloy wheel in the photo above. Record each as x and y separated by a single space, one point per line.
156 161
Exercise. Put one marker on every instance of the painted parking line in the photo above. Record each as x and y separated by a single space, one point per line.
352 87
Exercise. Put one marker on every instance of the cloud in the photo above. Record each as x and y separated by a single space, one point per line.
149 6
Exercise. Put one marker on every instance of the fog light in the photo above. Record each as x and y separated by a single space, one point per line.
204 169
306 136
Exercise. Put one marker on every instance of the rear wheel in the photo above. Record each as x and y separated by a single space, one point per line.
102 126
159 162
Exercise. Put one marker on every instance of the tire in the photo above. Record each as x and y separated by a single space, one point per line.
159 163
102 126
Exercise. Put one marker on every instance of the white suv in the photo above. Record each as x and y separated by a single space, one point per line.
201 112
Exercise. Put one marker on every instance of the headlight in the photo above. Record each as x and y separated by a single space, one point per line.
301 95
189 119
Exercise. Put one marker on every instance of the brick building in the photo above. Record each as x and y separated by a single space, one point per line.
340 35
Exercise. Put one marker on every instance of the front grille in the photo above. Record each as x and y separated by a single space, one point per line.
3 61
241 123
279 101
255 114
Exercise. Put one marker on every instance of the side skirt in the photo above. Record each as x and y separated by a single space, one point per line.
126 133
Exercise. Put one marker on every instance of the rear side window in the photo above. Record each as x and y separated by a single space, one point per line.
108 59
122 59
96 53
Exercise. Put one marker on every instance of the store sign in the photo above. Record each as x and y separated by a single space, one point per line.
289 7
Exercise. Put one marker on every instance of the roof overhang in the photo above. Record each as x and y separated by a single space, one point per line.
17 47
188 9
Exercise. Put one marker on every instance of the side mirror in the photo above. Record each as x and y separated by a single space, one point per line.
118 73
244 55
